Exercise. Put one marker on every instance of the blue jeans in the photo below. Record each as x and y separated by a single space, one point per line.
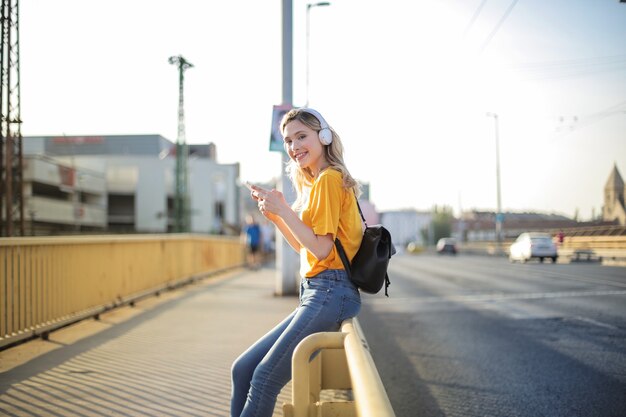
264 369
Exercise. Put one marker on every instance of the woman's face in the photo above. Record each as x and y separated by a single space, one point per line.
304 147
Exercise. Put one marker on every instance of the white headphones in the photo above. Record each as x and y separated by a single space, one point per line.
325 134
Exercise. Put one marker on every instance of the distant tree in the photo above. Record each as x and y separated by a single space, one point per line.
441 224
425 236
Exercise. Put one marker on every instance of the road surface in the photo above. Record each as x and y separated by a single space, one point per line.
478 336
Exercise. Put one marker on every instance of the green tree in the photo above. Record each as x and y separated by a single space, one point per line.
441 223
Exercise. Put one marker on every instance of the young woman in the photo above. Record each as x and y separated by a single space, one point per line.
326 203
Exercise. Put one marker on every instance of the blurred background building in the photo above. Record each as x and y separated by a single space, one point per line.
126 184
123 184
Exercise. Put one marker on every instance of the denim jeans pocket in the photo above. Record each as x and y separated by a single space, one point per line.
316 292
319 284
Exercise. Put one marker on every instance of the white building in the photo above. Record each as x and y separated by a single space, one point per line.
138 172
59 197
406 226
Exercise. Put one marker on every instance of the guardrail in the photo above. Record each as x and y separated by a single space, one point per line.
610 250
595 242
610 244
343 363
49 282
607 230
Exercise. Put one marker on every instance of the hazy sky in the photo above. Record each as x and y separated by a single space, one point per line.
406 84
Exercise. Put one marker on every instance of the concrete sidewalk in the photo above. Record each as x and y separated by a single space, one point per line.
167 356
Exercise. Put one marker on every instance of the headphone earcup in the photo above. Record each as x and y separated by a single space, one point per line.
326 136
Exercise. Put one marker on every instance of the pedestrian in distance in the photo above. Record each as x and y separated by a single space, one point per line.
325 209
267 239
252 236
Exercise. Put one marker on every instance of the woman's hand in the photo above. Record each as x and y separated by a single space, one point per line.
271 203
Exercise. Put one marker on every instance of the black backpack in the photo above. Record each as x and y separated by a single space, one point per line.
368 270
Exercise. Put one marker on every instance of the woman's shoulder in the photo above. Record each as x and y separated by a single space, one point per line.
331 174
330 178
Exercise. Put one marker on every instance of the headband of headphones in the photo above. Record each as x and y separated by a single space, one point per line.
325 134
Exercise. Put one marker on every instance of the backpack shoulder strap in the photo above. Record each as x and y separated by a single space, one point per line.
360 212
343 256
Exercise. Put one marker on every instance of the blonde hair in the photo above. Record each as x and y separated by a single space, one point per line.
303 178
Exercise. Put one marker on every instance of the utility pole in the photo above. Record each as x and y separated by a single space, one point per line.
499 214
286 258
11 159
181 196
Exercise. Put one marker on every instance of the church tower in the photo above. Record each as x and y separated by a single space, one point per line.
614 207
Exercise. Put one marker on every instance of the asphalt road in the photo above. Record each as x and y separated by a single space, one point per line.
478 336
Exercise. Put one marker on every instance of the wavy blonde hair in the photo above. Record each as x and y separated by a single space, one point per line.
303 178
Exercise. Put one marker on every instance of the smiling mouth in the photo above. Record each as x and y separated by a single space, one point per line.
300 155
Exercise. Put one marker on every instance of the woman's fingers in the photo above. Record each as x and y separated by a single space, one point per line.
258 189
257 193
264 194
269 202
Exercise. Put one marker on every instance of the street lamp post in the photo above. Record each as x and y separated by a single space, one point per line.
308 8
499 208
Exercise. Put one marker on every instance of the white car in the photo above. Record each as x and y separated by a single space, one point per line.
447 245
533 245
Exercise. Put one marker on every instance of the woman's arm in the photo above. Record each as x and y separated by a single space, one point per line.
319 245
289 237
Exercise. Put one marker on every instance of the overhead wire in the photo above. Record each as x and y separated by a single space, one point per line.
498 25
554 70
570 68
560 69
580 122
474 17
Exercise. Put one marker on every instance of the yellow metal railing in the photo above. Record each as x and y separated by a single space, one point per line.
611 250
344 363
605 246
595 242
49 281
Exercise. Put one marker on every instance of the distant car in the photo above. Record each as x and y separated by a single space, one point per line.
533 245
447 245
414 247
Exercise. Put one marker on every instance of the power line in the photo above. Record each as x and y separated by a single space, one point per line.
497 27
476 13
570 68
580 122
569 62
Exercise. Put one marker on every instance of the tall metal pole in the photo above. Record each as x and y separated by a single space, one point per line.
181 196
308 24
499 200
286 258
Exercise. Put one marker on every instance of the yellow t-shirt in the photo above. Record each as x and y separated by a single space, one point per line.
331 209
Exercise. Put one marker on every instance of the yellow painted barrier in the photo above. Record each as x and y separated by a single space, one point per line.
344 363
369 392
602 245
595 242
47 282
